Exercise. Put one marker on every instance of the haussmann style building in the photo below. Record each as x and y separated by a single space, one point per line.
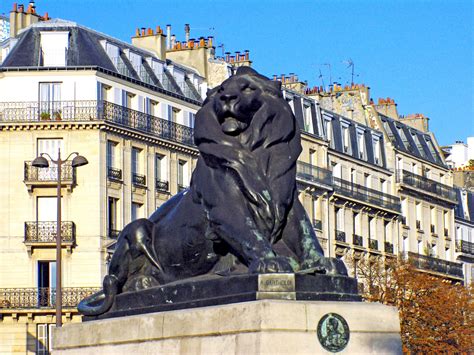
375 184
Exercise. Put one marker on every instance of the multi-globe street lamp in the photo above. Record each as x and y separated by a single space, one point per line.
42 162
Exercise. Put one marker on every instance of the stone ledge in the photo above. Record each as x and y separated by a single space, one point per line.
264 325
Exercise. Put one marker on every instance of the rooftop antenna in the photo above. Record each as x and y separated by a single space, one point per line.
350 64
330 75
321 77
221 45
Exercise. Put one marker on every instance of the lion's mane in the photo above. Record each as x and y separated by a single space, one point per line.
261 159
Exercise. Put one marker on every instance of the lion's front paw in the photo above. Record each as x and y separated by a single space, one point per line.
275 264
330 266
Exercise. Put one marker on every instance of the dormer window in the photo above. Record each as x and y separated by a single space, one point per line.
54 47
361 144
377 150
345 138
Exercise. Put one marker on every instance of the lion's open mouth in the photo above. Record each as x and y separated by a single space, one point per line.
231 125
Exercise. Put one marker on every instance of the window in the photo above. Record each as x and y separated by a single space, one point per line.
336 170
414 168
433 219
183 179
173 114
377 151
406 244
46 282
46 210
111 154
353 176
54 47
339 219
361 144
383 186
308 125
328 130
161 172
367 180
49 100
399 163
136 210
313 158
43 338
136 160
419 213
345 139
356 223
112 217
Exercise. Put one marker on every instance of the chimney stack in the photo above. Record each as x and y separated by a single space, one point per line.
187 30
168 37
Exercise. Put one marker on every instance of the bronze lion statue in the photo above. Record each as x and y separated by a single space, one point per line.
241 212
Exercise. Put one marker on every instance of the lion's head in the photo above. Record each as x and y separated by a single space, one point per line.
238 99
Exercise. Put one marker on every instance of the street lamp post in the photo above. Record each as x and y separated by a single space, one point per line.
42 162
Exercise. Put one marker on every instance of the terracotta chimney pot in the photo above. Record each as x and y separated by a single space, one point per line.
15 7
149 32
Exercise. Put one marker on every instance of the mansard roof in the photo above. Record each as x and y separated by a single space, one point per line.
465 208
86 49
412 141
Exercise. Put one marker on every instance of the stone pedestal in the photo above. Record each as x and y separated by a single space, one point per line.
256 327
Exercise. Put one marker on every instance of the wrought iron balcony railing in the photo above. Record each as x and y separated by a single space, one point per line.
423 184
374 244
388 247
463 246
313 174
162 186
45 232
318 224
138 180
365 194
113 233
114 174
340 236
24 298
91 110
50 174
357 240
429 263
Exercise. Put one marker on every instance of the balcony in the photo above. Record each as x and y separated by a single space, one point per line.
90 111
388 247
313 175
357 240
43 234
465 247
40 298
318 224
421 184
139 180
429 263
366 195
162 186
340 236
48 177
114 174
373 244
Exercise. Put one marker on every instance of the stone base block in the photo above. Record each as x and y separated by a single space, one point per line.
257 327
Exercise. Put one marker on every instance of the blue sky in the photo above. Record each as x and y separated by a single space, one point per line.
420 53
